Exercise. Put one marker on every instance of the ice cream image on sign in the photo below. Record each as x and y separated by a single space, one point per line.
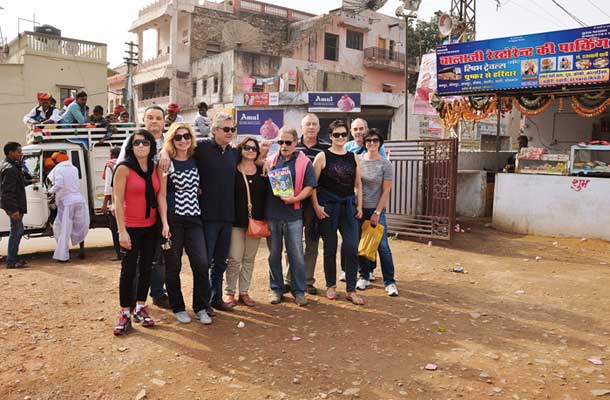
269 130
346 103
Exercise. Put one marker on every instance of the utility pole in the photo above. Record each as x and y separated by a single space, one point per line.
131 60
465 11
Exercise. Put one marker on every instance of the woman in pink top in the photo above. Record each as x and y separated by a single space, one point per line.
136 186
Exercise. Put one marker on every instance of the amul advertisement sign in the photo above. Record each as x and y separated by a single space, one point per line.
265 123
561 58
334 102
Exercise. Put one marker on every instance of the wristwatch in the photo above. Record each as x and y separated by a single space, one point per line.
377 212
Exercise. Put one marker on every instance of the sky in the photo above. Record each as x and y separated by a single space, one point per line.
108 21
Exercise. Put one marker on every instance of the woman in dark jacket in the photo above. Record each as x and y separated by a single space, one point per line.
242 252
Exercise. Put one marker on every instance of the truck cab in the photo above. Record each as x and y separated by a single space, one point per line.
87 152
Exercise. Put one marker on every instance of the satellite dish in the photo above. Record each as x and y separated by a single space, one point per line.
357 6
241 35
446 23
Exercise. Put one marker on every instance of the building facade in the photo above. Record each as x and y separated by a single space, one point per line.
218 52
39 62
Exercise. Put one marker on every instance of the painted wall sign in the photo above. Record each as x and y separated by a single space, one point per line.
258 99
334 102
560 58
265 123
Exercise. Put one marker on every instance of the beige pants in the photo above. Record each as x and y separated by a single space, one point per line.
242 254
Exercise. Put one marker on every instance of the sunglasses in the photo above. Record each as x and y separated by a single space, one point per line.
141 142
337 135
226 129
284 142
372 140
185 136
247 147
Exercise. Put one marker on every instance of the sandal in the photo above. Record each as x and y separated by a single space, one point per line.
355 299
331 293
247 300
230 300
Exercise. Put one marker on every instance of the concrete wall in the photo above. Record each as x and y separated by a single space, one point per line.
552 205
471 198
557 130
482 160
220 65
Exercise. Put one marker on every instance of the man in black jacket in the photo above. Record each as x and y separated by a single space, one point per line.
13 200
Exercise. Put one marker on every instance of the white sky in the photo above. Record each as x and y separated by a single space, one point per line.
108 21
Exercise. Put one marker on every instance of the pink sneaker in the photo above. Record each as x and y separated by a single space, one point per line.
144 318
123 326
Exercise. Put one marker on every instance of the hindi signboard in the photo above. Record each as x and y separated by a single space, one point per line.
543 60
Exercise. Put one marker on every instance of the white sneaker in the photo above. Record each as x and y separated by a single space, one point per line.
204 317
182 317
371 276
392 290
342 276
362 284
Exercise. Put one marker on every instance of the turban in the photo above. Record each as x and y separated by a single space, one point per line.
119 109
59 157
43 96
68 101
173 108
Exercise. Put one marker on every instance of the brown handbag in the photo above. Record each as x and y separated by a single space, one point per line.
256 228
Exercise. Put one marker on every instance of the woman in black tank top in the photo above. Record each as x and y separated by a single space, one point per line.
337 202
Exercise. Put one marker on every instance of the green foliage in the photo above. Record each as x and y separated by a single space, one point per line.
423 37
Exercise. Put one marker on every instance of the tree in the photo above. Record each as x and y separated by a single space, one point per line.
422 39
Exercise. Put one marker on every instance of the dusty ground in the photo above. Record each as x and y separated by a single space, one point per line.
510 327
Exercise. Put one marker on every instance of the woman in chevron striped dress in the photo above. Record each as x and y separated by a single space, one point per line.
182 226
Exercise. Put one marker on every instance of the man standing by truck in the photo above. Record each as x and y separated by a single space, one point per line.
72 221
13 200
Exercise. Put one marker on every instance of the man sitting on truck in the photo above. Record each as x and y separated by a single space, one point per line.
72 221
43 113
76 113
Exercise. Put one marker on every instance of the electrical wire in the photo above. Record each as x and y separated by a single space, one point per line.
554 21
574 17
598 8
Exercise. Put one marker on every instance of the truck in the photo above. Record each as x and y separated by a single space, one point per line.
88 153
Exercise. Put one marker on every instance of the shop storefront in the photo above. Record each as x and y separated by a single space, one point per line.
559 82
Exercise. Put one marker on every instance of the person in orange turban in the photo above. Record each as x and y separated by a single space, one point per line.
173 115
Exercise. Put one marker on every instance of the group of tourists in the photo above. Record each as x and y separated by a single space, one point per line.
171 194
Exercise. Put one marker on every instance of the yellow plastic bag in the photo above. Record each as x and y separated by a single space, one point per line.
370 240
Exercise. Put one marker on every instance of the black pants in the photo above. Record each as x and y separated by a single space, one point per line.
187 234
112 225
139 258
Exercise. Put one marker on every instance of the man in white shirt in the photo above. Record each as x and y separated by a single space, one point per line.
72 221
202 121
43 113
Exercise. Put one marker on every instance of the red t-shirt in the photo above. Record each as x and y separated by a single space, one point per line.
134 204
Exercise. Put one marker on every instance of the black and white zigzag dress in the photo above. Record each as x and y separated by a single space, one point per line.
182 188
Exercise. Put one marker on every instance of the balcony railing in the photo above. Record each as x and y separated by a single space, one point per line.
58 46
162 59
379 58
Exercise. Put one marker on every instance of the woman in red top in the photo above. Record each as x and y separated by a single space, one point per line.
136 186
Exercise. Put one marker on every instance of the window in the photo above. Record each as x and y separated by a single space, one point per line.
194 89
215 85
64 93
204 86
331 47
292 87
354 40
392 49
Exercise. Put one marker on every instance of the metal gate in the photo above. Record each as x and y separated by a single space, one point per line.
422 201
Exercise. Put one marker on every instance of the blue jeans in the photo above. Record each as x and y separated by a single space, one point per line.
292 233
217 240
348 226
385 254
14 238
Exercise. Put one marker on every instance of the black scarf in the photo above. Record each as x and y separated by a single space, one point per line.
151 198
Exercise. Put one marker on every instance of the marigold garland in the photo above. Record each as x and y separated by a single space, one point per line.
531 112
586 112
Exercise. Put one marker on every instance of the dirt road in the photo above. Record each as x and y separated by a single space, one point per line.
510 327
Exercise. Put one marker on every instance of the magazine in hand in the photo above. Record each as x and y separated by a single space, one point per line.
281 182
